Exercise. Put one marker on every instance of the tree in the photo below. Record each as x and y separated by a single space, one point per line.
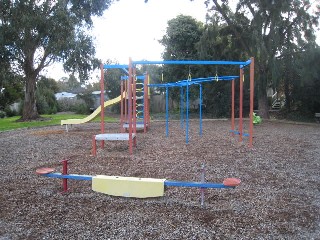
269 27
218 42
11 90
182 35
37 33
11 85
305 89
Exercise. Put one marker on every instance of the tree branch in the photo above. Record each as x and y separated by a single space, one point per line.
232 25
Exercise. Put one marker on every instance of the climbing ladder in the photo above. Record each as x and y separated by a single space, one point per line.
141 104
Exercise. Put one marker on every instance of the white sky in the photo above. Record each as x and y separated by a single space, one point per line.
132 28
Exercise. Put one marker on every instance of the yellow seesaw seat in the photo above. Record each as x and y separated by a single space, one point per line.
128 186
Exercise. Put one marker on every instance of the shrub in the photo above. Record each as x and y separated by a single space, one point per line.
2 114
73 105
9 112
46 101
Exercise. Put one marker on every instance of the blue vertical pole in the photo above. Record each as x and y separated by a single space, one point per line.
167 111
200 110
187 115
181 107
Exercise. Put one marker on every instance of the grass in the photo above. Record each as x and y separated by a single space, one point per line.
55 119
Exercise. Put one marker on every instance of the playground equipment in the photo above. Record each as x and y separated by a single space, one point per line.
141 96
187 83
92 115
256 119
132 186
133 107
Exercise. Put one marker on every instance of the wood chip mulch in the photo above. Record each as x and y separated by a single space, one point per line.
278 198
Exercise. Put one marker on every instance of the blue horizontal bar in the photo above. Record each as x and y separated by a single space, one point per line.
194 184
238 133
138 77
193 81
193 62
69 176
107 66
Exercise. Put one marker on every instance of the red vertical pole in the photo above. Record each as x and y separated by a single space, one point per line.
232 107
65 172
134 100
130 102
251 101
126 84
102 102
94 146
121 107
241 105
148 102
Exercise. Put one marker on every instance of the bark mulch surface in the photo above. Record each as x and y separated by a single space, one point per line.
278 198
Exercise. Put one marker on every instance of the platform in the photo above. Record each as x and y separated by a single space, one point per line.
138 125
112 137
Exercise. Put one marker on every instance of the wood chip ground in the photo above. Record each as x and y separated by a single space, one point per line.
279 196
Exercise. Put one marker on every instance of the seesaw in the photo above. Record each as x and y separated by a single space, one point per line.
132 186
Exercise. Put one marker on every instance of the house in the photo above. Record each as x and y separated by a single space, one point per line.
96 98
62 95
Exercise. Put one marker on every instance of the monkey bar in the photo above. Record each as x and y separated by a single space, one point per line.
241 64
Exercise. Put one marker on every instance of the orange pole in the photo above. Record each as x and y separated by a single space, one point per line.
126 100
134 100
102 98
121 107
232 107
102 102
130 80
251 101
241 105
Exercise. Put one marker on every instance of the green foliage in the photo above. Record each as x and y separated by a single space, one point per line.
269 30
9 112
70 84
2 114
69 105
112 79
46 100
36 33
182 35
305 88
84 107
11 88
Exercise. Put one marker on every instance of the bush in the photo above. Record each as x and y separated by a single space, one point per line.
46 101
73 105
82 109
9 112
2 114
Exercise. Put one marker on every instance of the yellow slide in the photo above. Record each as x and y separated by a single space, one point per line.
92 115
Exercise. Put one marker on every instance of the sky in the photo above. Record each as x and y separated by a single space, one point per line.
133 28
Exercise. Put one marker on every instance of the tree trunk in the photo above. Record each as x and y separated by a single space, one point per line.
262 94
30 111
